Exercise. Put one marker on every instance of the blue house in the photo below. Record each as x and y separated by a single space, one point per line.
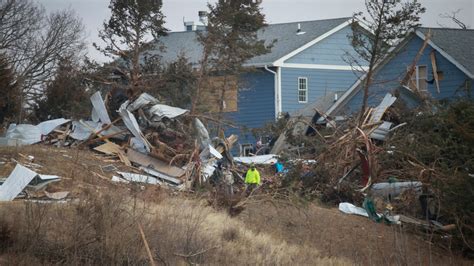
305 65
444 71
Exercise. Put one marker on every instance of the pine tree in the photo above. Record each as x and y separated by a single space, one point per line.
65 95
230 40
129 32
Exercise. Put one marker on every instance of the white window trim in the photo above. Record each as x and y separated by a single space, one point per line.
245 146
417 75
298 89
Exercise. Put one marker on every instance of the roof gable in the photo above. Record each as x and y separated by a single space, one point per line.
285 36
454 44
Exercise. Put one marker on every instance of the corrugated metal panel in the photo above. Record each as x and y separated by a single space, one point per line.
99 111
25 134
16 182
378 112
382 131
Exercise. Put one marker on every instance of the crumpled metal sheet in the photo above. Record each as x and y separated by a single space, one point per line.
153 108
16 182
390 190
131 122
19 179
158 111
387 101
47 127
380 133
143 100
202 134
27 134
81 130
99 111
137 144
349 208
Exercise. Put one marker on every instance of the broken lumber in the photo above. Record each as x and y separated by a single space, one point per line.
111 148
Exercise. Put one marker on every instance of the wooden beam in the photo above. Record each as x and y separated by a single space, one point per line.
435 70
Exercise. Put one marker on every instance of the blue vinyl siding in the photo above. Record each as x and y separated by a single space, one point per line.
256 104
320 82
389 76
329 51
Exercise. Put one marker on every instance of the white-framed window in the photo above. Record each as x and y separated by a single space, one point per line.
246 149
419 77
302 90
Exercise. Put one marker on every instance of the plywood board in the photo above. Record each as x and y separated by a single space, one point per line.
160 166
111 148
213 93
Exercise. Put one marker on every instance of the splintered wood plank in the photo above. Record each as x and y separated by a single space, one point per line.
111 148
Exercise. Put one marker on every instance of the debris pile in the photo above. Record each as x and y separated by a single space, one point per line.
402 165
160 143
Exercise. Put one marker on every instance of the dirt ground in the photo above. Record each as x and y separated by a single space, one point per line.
303 225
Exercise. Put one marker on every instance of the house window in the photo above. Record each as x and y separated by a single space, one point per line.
418 79
303 90
246 149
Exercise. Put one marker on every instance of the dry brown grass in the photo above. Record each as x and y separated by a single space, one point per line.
338 235
101 226
104 230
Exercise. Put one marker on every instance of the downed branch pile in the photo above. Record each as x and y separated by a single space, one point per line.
437 150
421 169
347 157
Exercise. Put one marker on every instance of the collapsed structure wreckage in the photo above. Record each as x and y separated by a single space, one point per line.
353 161
160 148
162 152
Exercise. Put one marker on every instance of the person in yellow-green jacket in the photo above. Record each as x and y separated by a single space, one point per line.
252 179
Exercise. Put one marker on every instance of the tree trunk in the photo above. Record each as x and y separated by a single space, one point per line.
202 76
221 103
373 55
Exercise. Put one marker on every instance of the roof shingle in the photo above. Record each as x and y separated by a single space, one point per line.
176 43
457 43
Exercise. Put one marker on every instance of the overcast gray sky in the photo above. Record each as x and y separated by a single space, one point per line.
94 12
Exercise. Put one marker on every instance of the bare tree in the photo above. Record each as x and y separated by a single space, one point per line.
452 16
34 43
387 21
9 92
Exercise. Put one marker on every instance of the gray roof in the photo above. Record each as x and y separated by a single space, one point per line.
176 43
457 43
